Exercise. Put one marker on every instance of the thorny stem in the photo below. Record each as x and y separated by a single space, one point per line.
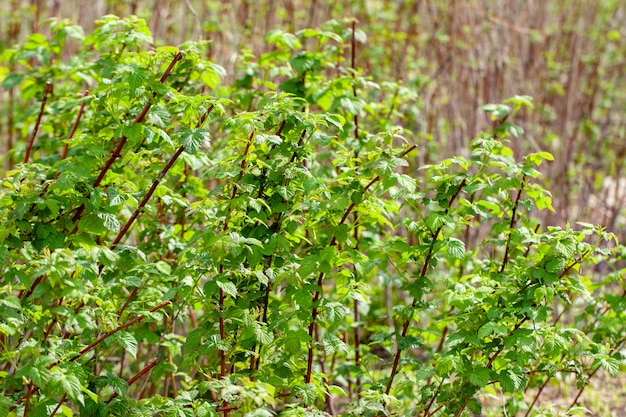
577 261
32 388
355 308
74 127
407 323
144 201
617 347
256 362
139 374
432 400
123 326
353 64
320 278
512 224
489 364
63 156
29 146
222 296
116 152
130 382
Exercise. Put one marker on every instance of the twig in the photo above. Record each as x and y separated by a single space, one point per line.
116 152
407 323
320 278
29 146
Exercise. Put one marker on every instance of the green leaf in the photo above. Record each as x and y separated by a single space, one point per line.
292 343
134 132
194 338
307 392
227 286
609 364
407 182
194 139
118 384
308 265
336 120
136 77
128 342
360 36
475 406
12 80
434 221
110 222
555 265
210 77
479 377
336 311
92 223
68 383
497 111
455 247
512 381
538 157
351 104
302 62
490 328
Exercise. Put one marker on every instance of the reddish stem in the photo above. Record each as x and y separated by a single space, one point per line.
407 323
29 146
320 278
112 332
74 127
116 152
139 374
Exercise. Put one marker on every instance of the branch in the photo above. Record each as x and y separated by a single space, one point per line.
29 146
116 152
407 323
320 278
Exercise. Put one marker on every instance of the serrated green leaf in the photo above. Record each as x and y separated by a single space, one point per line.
128 342
227 286
194 139
555 265
407 182
210 77
307 392
308 265
434 221
262 335
118 384
92 223
351 104
479 377
336 120
609 364
302 62
475 406
455 247
12 80
134 132
136 77
512 381
194 338
110 222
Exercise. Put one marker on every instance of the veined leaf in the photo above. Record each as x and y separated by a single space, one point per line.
479 376
227 286
194 139
455 247
128 342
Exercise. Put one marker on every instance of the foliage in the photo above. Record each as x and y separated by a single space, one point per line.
173 245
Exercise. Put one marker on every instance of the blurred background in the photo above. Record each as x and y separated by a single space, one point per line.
450 58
